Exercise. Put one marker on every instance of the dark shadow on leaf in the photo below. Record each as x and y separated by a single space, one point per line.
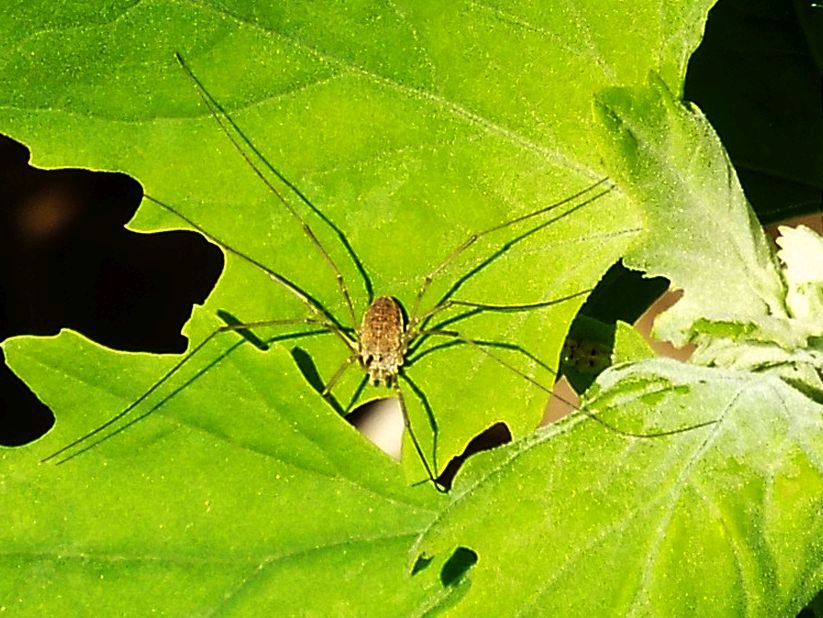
307 367
246 333
623 294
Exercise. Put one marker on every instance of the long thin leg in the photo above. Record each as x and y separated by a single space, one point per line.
174 393
367 284
477 308
479 346
313 305
446 302
414 358
503 250
427 281
166 376
407 422
339 374
363 381
219 113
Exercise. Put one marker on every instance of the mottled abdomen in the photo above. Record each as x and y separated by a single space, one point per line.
382 340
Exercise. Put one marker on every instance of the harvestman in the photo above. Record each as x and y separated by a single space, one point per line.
385 338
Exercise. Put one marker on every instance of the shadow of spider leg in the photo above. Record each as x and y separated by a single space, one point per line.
432 469
238 139
132 413
487 348
591 195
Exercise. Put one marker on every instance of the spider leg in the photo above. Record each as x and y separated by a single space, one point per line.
338 374
491 344
226 122
313 305
323 328
503 249
481 346
363 381
476 308
407 423
471 240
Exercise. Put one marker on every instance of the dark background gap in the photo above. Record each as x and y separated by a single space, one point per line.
66 261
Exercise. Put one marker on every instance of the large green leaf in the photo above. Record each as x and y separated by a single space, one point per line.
670 159
234 495
743 305
718 521
411 126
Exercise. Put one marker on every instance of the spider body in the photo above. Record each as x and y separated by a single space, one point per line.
382 340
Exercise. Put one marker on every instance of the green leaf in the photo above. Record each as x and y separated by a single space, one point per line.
389 134
742 306
629 345
721 520
221 501
668 158
411 126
